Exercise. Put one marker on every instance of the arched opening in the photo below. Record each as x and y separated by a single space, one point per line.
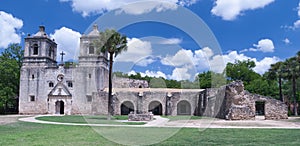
155 107
91 50
183 108
127 107
59 107
35 49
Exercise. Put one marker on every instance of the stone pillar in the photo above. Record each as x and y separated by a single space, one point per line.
139 108
168 108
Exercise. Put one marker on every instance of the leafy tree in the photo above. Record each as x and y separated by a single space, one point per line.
263 87
10 65
241 70
210 79
113 43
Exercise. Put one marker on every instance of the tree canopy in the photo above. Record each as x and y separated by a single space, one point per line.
10 65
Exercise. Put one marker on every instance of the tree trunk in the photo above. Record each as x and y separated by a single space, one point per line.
294 96
110 102
280 89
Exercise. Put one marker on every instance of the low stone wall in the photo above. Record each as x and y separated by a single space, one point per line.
140 117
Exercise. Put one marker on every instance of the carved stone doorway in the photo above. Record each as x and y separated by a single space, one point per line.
59 107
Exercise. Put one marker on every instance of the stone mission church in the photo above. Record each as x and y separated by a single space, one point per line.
47 87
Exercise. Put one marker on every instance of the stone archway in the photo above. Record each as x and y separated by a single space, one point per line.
127 107
183 108
155 107
59 107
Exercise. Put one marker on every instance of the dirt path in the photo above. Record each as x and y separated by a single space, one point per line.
7 119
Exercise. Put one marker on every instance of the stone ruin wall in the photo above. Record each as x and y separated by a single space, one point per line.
232 102
119 82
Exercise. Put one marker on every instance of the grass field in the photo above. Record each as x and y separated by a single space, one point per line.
21 133
89 119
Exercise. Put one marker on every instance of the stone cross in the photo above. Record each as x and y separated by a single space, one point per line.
62 56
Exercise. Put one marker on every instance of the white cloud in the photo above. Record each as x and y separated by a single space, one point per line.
296 25
182 57
9 25
142 7
171 41
138 52
68 41
263 65
149 73
264 45
230 9
286 41
154 74
89 7
218 62
180 74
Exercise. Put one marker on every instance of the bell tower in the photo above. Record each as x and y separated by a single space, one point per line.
40 50
39 56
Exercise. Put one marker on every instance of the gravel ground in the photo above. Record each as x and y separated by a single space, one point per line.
7 119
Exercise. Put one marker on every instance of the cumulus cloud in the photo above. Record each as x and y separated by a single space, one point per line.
264 45
8 32
138 52
261 65
68 41
89 7
181 58
149 73
205 59
230 9
296 25
180 74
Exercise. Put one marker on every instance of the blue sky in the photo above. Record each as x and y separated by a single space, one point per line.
174 43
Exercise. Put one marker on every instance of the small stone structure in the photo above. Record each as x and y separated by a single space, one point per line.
241 105
140 117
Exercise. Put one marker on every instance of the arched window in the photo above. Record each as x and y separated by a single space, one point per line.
35 49
50 50
51 84
91 50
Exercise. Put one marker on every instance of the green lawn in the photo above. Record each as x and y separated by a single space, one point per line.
22 133
89 119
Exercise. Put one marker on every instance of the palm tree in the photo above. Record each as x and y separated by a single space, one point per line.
113 43
291 68
275 72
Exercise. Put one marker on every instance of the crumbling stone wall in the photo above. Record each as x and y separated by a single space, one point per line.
119 82
240 104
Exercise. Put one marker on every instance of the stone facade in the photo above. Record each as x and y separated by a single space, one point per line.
49 88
